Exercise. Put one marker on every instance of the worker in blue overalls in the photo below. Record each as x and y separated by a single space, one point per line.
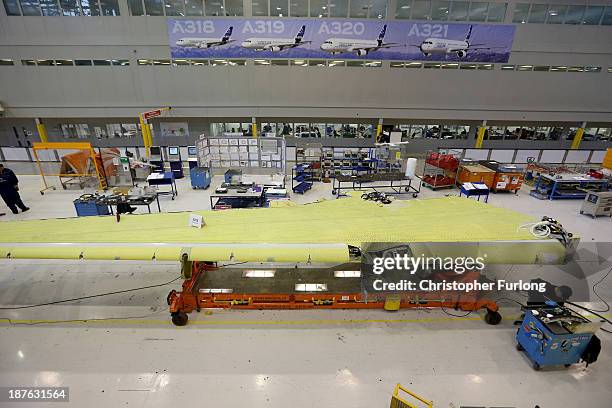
10 191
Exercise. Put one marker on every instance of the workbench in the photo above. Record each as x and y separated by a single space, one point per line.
145 200
396 183
160 179
566 185
234 198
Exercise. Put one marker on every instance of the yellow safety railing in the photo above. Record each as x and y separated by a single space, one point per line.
401 402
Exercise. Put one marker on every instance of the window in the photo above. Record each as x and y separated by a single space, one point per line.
421 10
261 62
468 66
49 8
120 62
70 8
485 66
30 7
541 68
592 69
280 62
161 62
64 63
258 273
347 274
337 63
319 8
154 7
414 64
575 69
524 67
135 7
101 62
373 64
558 68
378 9
175 7
316 63
396 64
301 63
478 11
338 8
279 8
592 15
574 15
298 8
538 13
459 11
12 8
233 8
440 10
507 67
259 8
6 62
310 287
194 8
91 8
431 65
360 8
403 8
607 17
199 62
497 12
451 65
145 62
28 62
556 14
521 11
82 63
45 63
214 7
109 7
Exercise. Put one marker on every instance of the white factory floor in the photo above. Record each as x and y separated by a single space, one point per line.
133 356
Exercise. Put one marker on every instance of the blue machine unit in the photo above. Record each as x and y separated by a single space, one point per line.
554 335
86 206
200 177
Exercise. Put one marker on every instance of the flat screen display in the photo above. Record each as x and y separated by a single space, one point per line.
155 150
192 151
174 151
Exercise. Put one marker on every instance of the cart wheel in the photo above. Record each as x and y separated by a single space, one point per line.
364 196
179 318
492 318
536 366
567 365
53 188
172 198
519 347
333 192
42 193
406 189
415 195
581 212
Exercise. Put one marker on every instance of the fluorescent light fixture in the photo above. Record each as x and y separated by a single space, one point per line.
258 273
216 290
347 274
310 287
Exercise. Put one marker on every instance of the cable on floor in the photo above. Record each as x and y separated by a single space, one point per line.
12 323
597 294
55 302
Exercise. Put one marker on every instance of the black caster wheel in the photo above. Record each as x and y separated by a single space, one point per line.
364 196
519 347
179 318
581 212
536 366
42 193
415 195
334 192
567 365
406 189
492 318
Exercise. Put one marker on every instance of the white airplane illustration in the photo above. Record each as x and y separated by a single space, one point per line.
206 42
276 44
445 46
358 46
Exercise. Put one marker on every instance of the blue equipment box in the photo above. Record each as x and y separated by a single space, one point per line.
86 208
200 177
554 335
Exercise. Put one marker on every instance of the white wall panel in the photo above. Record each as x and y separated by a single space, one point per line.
15 154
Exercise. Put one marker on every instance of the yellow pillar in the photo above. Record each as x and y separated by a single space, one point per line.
378 132
578 136
254 127
480 136
143 129
42 131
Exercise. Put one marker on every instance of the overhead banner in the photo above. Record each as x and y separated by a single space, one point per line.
339 39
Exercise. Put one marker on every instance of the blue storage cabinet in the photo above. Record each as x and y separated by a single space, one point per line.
87 208
200 177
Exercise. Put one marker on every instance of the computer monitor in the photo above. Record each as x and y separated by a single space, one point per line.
173 151
155 150
192 151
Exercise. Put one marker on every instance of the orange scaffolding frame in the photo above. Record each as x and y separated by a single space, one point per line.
67 146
